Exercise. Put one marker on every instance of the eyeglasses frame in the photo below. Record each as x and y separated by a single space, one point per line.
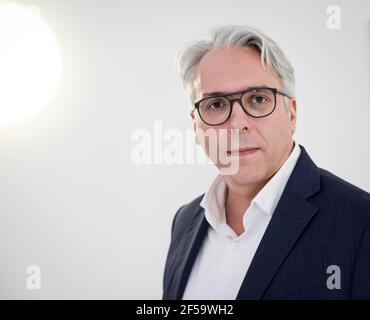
231 101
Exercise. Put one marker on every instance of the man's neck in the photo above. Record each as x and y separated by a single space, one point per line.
239 198
237 202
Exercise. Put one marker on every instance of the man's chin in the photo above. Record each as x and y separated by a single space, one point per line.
242 176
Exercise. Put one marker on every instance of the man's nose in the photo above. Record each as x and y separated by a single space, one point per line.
239 118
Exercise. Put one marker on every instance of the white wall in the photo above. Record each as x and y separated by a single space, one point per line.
72 201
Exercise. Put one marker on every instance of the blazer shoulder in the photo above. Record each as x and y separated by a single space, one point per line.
344 191
330 179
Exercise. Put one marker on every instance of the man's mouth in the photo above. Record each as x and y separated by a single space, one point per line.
242 151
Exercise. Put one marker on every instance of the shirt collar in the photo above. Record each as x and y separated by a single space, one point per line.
266 199
214 203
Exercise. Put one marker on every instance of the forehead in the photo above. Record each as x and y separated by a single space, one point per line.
232 69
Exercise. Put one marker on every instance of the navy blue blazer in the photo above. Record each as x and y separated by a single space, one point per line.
320 221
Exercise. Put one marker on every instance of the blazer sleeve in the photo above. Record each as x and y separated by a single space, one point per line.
169 252
360 288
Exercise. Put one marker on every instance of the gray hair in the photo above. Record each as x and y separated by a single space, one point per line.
189 57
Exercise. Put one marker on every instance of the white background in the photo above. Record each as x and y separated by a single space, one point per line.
71 200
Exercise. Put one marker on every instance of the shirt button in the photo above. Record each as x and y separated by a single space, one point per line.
235 244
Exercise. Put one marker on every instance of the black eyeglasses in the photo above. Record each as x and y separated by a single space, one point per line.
258 102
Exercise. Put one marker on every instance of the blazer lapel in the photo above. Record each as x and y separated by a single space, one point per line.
186 254
290 218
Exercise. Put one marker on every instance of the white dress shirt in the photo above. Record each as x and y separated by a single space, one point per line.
224 257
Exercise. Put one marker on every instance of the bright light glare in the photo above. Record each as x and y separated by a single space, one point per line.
30 63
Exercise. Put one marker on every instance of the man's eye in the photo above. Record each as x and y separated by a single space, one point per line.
258 99
216 105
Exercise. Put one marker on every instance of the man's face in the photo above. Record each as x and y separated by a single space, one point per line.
235 69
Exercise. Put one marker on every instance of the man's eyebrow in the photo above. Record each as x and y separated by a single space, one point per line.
223 93
215 93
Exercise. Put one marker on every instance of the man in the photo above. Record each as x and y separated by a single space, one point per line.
280 227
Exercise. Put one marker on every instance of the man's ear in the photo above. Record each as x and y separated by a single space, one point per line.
192 115
293 114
